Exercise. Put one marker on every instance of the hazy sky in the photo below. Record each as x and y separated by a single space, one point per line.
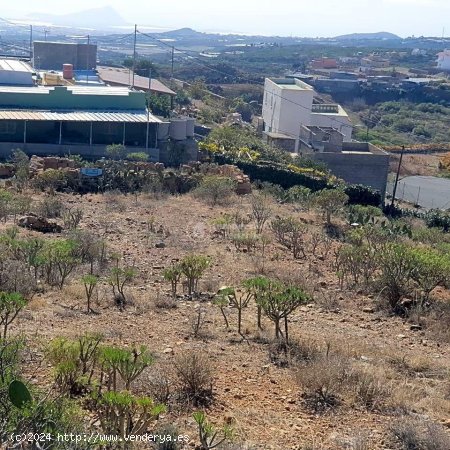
268 17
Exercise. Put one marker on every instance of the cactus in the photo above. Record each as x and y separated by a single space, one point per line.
19 395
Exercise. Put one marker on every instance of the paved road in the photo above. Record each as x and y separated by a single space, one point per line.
428 192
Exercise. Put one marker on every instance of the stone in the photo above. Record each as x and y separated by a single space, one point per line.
168 350
369 309
38 223
160 245
415 327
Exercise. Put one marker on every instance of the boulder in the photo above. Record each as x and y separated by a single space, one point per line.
37 223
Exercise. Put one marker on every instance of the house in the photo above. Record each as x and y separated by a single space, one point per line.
322 132
289 104
324 63
115 76
443 61
84 120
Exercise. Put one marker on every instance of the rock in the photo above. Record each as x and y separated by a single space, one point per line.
38 223
415 327
401 336
369 309
160 245
168 350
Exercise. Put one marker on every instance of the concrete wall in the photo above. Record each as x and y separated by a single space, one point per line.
368 169
52 55
341 122
88 152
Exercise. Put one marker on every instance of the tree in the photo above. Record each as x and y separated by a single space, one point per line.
278 301
330 201
116 151
10 306
128 364
118 279
261 211
238 300
173 274
257 286
90 282
193 267
123 414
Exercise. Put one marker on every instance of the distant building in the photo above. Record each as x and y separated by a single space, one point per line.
324 63
288 105
115 76
443 61
52 55
14 72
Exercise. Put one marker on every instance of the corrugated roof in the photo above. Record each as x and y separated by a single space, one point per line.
123 77
76 90
79 116
15 65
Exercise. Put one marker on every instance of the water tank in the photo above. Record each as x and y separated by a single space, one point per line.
190 124
177 129
163 131
68 71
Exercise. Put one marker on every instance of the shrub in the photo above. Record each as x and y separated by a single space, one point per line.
118 279
439 219
10 306
214 190
237 300
173 274
195 376
128 364
50 207
279 301
138 156
193 268
330 201
116 151
289 232
72 218
396 265
90 282
210 437
261 211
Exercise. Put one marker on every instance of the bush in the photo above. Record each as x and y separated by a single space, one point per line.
215 190
330 201
195 376
50 207
138 156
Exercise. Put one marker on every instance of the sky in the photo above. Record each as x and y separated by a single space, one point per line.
322 18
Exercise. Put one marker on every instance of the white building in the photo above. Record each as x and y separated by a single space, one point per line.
15 73
288 105
443 61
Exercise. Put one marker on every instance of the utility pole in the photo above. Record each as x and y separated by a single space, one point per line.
87 57
397 176
134 53
173 54
31 43
148 106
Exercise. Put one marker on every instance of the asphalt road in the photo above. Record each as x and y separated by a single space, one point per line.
428 192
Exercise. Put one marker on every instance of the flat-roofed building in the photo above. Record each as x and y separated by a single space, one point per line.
288 105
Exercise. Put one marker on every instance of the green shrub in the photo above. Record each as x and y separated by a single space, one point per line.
214 190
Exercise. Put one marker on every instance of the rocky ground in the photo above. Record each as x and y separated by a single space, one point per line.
261 400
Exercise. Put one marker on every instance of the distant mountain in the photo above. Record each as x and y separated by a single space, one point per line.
102 18
382 35
183 33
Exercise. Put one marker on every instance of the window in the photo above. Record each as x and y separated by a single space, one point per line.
8 127
326 138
